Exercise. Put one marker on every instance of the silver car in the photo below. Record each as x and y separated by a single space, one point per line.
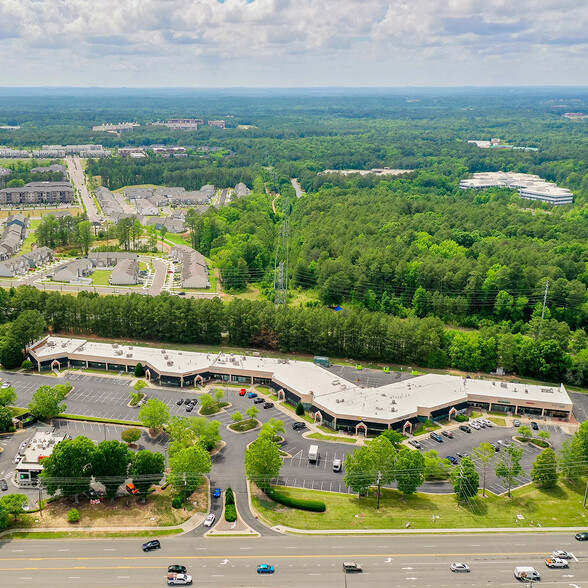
209 520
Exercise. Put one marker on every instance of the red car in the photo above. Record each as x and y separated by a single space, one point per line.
242 392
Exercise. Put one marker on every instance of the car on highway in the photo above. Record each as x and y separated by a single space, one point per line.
216 493
452 459
459 567
210 520
556 562
3 485
415 443
265 569
337 465
242 392
516 423
583 536
447 434
350 567
298 425
436 437
561 554
534 426
252 395
258 400
465 429
151 545
268 405
179 580
176 569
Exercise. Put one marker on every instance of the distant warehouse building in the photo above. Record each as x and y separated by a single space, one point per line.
38 193
331 399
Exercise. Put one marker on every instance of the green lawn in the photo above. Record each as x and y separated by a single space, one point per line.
498 421
559 507
101 277
322 437
422 429
291 408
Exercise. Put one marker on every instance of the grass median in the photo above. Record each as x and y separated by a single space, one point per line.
558 507
90 534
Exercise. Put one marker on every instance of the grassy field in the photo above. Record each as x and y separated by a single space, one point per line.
498 421
291 408
322 437
559 507
101 277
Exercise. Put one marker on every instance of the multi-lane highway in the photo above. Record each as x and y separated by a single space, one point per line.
391 561
78 179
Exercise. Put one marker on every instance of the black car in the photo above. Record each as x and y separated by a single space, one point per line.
436 437
465 429
150 545
176 569
581 536
258 400
92 494
268 405
194 401
3 485
534 426
447 434
189 408
180 402
298 425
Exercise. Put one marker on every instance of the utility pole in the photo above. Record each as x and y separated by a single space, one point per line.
379 482
585 494
545 299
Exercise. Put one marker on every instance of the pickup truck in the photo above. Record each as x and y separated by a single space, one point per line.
179 580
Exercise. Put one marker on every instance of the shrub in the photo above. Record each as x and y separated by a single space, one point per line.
27 364
139 370
131 435
229 496
177 502
299 503
462 418
299 409
73 516
230 513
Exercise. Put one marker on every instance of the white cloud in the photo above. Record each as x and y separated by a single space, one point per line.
293 42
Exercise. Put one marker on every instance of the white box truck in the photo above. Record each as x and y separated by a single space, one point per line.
526 573
313 453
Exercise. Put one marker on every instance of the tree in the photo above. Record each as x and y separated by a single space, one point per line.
69 467
272 429
525 432
7 396
544 435
465 479
186 431
139 385
154 414
27 364
360 473
237 417
163 233
146 469
485 454
436 468
394 437
45 403
262 462
28 327
219 395
188 466
252 412
5 419
84 236
544 471
111 465
14 504
300 409
207 402
4 518
73 516
572 462
139 371
131 435
11 355
410 470
509 466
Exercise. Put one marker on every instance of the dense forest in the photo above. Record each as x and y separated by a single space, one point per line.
411 249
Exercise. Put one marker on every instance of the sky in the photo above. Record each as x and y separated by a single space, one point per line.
293 43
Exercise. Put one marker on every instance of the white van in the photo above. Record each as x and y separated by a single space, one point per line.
313 453
526 573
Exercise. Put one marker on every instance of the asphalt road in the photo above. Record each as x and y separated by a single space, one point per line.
395 561
77 177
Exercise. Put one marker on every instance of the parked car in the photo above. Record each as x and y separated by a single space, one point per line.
209 520
5 385
194 401
556 562
516 423
462 454
216 493
465 429
268 405
258 400
180 402
488 423
298 425
496 447
17 459
176 569
534 426
583 536
3 485
265 569
503 443
447 434
337 465
415 443
436 437
459 567
189 408
562 554
252 395
242 392
475 425
452 459
482 423
150 545
179 580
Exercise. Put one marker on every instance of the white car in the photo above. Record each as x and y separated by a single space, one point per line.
337 465
179 580
459 567
503 443
561 554
488 423
209 520
475 425
556 562
482 423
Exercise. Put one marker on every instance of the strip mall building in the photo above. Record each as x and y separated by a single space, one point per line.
333 400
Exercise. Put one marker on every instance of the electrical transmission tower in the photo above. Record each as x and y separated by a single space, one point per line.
281 259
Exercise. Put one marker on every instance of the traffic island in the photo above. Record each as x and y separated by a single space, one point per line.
231 528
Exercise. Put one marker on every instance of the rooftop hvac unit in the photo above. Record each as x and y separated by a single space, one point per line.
129 355
115 345
503 385
64 344
394 409
51 343
393 401
130 346
118 352
166 357
170 362
163 351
